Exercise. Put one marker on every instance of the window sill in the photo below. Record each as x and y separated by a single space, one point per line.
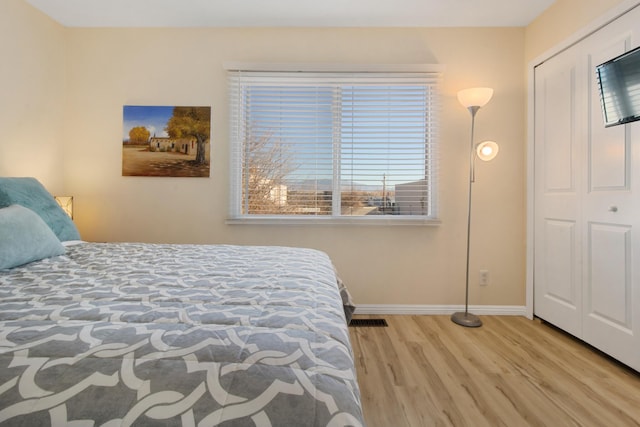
389 220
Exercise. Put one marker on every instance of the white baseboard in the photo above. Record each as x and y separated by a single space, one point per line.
406 309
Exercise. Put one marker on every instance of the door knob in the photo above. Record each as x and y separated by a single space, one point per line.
613 209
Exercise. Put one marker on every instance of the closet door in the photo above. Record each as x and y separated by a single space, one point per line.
557 186
611 212
587 199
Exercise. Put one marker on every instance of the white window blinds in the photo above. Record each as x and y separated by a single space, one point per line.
333 144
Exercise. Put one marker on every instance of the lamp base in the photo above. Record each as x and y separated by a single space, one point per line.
466 319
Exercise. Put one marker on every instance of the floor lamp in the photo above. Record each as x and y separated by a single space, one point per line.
473 99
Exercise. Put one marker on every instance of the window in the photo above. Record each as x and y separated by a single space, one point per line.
329 146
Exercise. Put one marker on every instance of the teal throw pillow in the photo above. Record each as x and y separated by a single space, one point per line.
24 237
29 193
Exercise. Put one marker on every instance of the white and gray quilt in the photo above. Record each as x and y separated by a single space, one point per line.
126 334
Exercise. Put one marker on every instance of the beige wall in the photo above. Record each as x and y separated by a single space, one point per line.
50 126
560 21
110 68
32 94
61 118
61 110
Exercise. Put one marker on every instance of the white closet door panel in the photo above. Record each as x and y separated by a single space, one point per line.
609 311
560 284
609 281
558 293
608 147
611 211
557 91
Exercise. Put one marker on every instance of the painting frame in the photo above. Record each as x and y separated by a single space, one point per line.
166 141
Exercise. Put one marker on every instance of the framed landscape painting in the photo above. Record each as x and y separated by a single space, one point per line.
166 141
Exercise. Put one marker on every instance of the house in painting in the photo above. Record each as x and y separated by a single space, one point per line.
176 145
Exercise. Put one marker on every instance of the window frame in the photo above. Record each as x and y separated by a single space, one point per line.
237 71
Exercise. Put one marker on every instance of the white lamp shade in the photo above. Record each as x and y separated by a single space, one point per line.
487 150
475 97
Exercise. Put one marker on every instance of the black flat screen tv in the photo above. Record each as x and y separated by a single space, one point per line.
619 85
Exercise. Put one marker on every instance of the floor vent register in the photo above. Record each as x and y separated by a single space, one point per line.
358 323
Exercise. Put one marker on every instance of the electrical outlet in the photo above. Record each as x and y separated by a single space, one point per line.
484 277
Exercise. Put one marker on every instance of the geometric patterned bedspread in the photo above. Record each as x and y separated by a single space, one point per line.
122 334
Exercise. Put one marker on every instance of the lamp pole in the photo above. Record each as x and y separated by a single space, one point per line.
465 318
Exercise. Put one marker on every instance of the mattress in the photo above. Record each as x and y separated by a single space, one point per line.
119 334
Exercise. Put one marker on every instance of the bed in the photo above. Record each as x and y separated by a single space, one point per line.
115 334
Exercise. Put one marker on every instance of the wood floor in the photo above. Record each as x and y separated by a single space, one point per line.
428 371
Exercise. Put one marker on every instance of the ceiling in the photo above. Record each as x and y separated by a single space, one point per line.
293 13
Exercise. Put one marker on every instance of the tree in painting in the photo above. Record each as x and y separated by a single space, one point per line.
191 122
139 135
